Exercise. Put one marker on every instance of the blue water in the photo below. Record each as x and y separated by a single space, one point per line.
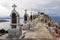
6 25
56 19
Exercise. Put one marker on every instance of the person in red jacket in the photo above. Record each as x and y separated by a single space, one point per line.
53 30
56 34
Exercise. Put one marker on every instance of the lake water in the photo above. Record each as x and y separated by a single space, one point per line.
56 19
6 25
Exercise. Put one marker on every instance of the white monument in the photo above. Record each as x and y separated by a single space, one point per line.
15 31
26 21
26 17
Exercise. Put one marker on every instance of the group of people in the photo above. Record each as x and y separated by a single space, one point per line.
53 30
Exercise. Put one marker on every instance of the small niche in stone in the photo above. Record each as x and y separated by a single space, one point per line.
14 19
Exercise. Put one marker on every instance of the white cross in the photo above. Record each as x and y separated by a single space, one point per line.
14 6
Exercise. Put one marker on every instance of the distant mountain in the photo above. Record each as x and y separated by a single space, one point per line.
4 17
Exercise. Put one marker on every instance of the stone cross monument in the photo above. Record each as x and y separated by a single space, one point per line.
26 17
15 31
26 20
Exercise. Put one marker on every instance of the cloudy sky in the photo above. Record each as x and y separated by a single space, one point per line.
50 7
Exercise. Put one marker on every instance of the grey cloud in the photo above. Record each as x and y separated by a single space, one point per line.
52 7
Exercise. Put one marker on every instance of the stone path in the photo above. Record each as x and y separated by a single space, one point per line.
40 32
4 36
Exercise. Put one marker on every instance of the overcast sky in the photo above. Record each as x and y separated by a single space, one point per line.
51 7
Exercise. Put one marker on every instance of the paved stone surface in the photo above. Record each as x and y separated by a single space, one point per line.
58 38
4 36
39 32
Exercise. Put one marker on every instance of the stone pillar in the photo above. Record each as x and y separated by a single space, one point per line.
15 31
31 17
25 17
38 16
